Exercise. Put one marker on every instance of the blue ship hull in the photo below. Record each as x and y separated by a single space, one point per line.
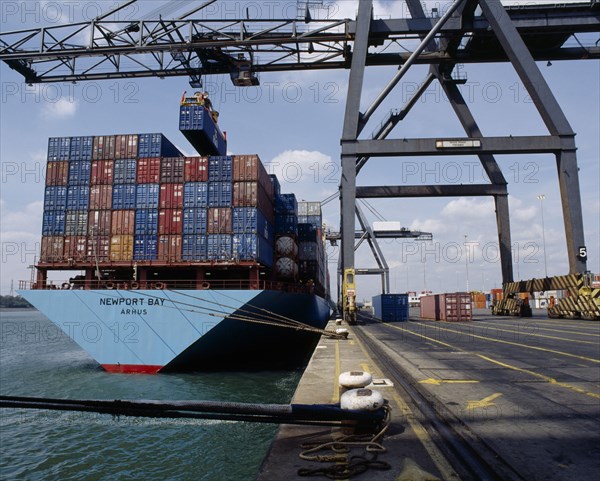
147 331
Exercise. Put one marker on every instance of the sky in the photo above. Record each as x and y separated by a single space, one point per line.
293 121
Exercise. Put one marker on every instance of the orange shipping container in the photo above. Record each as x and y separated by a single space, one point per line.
248 168
169 248
195 169
76 248
252 194
99 222
171 196
123 222
52 249
104 147
101 197
126 146
447 307
102 172
170 221
98 248
121 248
57 173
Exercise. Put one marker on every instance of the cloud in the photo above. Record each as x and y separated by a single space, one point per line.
61 109
315 171
472 210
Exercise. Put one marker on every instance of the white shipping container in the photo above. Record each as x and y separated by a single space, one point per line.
387 226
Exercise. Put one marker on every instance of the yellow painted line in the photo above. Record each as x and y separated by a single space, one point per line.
485 402
365 367
351 342
538 326
440 461
335 398
491 339
524 333
508 366
437 382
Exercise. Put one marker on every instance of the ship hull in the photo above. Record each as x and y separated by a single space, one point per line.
150 331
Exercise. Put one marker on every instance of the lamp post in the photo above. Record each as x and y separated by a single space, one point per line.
467 261
541 198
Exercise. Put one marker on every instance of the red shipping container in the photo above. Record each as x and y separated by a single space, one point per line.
104 147
99 222
98 248
126 146
219 220
171 169
52 249
101 197
57 173
251 194
148 170
171 196
169 248
102 172
76 247
447 307
195 169
248 168
170 221
123 222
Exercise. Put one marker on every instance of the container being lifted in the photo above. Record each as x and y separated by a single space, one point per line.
198 123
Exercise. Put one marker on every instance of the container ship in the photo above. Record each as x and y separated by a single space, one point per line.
178 263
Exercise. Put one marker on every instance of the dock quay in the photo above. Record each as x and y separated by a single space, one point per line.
495 398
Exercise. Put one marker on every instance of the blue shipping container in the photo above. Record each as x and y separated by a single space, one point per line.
275 183
220 168
307 232
145 248
315 220
55 198
286 224
219 194
250 220
146 196
79 172
194 248
125 171
53 222
53 143
253 247
286 204
195 194
156 145
146 222
391 307
81 148
123 196
194 220
78 197
199 128
219 247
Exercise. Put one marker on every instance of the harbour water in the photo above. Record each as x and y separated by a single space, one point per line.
37 359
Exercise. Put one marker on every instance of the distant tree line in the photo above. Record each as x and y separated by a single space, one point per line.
13 301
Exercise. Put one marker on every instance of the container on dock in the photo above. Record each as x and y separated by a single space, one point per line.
99 222
391 307
198 126
219 220
76 223
55 198
102 172
124 196
147 196
103 147
53 222
75 248
195 169
79 172
98 248
219 247
195 194
101 197
220 168
170 221
171 196
195 221
252 247
126 146
81 148
145 247
57 173
148 170
250 220
169 247
53 248
156 145
219 194
121 247
194 248
146 222
125 171
171 169
453 307
123 222
78 197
